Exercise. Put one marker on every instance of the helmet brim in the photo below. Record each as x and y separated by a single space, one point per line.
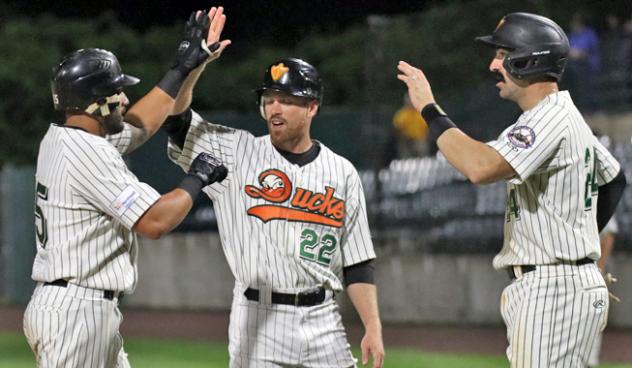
491 41
129 80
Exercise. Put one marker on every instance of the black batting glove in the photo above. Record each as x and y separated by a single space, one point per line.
190 53
206 169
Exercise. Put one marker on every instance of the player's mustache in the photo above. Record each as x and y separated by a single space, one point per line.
498 77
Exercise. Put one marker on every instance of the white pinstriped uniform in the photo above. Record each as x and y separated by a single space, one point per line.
553 314
87 202
612 227
284 228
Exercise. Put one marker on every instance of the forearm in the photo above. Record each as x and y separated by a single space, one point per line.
185 96
364 299
607 244
165 214
150 112
480 163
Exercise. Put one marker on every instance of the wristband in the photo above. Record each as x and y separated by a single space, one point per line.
192 185
171 82
437 120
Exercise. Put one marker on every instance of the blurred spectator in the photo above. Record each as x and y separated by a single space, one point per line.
626 49
613 54
615 57
584 63
411 131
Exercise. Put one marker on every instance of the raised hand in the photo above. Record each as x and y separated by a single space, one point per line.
212 44
418 86
190 53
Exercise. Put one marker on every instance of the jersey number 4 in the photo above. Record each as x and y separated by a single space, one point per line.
512 206
591 188
317 248
40 221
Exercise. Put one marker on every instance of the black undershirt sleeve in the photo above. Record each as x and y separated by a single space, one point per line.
359 273
177 126
609 196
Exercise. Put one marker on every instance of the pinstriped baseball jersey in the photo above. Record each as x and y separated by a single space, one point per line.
552 201
87 202
281 225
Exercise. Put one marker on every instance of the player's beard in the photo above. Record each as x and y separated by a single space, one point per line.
113 123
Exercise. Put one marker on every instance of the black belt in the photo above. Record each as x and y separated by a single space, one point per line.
107 294
304 299
528 268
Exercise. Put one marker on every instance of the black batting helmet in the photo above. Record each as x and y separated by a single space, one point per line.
538 47
294 76
87 76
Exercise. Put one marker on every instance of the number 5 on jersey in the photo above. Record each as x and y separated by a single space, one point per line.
41 231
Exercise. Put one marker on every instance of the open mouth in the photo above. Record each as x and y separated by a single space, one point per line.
277 122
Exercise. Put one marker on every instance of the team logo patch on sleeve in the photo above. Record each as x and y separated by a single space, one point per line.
521 137
125 200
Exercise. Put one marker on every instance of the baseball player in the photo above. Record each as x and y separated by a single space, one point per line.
89 206
562 187
293 225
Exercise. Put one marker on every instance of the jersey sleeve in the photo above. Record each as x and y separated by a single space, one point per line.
203 136
218 140
357 245
99 174
606 166
122 140
532 141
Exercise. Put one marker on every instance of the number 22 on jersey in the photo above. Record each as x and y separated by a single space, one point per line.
317 247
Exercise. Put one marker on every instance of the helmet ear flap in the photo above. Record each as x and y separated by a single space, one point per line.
262 110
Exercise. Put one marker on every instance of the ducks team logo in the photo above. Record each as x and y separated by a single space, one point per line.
305 206
278 71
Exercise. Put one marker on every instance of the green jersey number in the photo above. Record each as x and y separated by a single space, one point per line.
512 206
41 231
591 188
317 247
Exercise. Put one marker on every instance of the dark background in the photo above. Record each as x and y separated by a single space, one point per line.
283 22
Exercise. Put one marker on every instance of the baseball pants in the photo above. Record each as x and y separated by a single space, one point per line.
554 315
74 326
266 335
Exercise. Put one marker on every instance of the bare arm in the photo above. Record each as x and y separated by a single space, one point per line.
480 163
147 115
165 214
364 299
171 208
607 244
